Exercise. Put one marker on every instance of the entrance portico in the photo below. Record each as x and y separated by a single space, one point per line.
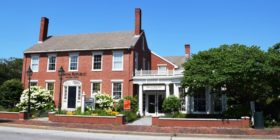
153 89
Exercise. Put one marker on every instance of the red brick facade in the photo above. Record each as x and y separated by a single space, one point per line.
85 73
157 60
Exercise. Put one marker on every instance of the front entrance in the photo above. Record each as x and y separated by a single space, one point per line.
71 97
153 102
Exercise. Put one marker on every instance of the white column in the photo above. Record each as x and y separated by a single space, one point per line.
208 100
140 100
167 90
83 103
188 105
176 90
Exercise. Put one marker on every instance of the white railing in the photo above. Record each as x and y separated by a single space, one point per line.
158 73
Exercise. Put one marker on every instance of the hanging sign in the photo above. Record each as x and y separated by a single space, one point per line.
126 104
154 87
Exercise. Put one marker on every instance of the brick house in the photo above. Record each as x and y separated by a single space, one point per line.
116 63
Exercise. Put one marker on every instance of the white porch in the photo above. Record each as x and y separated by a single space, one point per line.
154 86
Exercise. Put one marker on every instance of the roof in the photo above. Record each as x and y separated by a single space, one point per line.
96 41
176 60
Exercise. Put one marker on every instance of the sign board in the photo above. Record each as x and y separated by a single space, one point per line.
126 104
154 87
90 103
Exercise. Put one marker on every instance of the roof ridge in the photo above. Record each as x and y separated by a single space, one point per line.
96 33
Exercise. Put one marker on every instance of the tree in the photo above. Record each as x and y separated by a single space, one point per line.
171 104
242 70
10 92
10 69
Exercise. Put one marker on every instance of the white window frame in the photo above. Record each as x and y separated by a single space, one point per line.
93 54
91 84
47 86
70 55
113 64
31 62
117 81
51 55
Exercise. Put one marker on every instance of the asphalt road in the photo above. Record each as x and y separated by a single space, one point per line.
14 133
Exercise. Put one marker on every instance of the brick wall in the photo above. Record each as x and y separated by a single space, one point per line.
118 120
244 122
13 115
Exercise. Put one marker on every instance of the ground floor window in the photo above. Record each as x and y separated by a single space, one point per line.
95 87
199 101
50 87
33 83
182 99
117 90
217 103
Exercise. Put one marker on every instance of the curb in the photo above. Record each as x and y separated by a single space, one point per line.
140 133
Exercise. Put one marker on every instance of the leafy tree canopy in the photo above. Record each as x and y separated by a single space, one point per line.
244 71
10 69
10 92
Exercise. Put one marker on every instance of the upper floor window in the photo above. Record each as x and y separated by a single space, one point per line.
136 61
118 60
97 61
35 63
73 62
51 62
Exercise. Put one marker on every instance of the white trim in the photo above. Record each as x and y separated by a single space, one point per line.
96 81
121 69
175 66
117 80
69 62
31 61
49 80
50 55
92 60
34 81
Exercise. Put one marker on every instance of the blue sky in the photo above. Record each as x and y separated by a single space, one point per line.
168 24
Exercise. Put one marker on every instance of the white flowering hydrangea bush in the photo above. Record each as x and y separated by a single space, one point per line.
40 99
104 101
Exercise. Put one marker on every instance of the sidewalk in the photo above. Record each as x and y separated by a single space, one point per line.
267 133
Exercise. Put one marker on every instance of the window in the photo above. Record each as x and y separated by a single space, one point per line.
117 90
33 83
51 62
73 66
95 87
118 60
217 103
35 63
199 100
182 99
79 93
50 87
97 61
136 61
65 92
162 69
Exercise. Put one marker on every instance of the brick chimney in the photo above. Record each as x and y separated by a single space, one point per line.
138 29
187 51
43 29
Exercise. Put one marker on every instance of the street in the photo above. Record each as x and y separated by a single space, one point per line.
14 133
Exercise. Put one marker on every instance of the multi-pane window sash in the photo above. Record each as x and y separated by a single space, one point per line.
118 61
50 87
97 58
73 62
52 60
117 91
95 88
35 63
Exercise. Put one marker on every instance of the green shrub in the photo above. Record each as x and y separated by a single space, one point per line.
175 115
171 104
133 104
10 92
130 116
